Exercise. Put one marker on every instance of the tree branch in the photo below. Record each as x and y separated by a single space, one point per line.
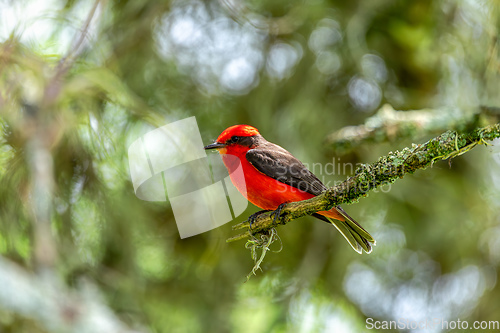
370 176
53 305
388 125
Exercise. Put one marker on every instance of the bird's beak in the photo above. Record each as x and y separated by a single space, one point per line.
215 145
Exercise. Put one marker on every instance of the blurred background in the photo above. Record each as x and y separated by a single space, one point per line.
81 80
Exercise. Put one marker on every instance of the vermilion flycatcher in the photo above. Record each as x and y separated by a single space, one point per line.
274 177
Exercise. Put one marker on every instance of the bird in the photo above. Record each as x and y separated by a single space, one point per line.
273 177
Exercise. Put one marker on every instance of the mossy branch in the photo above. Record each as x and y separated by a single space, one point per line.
371 176
389 125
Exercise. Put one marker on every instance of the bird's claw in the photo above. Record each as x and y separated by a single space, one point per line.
253 217
276 214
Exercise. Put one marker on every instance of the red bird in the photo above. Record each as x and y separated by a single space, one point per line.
274 177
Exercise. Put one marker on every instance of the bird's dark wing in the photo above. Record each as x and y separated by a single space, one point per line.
277 163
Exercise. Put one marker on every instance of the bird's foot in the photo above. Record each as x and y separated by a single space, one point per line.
277 212
253 217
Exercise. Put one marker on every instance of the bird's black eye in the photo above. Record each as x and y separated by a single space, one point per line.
234 139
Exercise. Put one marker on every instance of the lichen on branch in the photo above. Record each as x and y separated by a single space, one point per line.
371 176
389 125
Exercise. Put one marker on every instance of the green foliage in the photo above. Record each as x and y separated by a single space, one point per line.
297 71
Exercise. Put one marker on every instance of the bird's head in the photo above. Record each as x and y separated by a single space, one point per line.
236 139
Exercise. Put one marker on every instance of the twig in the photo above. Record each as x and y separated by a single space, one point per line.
53 87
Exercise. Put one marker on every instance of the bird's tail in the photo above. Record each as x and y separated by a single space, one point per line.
355 234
